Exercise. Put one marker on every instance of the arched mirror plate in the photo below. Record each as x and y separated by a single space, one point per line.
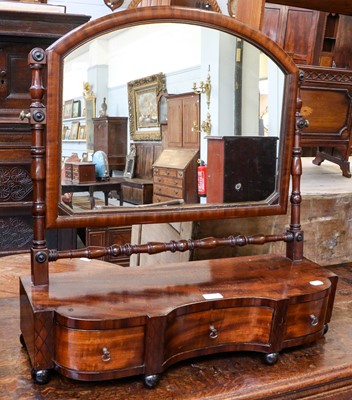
246 88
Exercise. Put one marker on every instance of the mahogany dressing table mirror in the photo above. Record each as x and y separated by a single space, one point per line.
91 320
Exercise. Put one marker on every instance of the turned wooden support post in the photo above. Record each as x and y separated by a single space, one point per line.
295 248
173 246
39 251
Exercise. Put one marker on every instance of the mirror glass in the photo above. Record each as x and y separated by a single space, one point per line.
240 91
236 119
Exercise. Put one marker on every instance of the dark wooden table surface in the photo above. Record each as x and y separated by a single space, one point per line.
100 186
322 370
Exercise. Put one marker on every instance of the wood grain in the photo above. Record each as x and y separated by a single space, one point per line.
322 370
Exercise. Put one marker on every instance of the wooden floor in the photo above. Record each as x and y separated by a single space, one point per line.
319 371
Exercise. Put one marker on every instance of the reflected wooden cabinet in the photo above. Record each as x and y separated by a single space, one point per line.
183 120
175 176
137 191
110 136
254 175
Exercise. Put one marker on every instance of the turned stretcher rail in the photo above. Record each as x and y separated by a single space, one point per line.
173 246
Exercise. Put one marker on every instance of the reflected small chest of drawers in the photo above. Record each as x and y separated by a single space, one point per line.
80 172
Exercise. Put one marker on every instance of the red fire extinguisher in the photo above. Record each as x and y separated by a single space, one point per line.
202 179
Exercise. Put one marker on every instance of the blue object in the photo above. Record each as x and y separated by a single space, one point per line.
101 166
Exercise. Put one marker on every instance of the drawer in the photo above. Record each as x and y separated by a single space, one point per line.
163 180
305 318
99 350
68 171
171 172
216 327
159 199
174 192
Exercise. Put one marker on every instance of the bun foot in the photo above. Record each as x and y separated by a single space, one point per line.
151 380
326 328
41 376
271 358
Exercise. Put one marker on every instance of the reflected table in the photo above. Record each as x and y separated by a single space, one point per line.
106 187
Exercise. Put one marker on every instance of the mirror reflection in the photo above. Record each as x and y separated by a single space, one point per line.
169 114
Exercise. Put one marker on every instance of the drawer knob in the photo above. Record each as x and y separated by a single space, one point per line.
106 354
213 334
314 320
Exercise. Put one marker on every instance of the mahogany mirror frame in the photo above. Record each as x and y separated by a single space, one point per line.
274 205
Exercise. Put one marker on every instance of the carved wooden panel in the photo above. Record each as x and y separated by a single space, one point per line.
15 184
16 233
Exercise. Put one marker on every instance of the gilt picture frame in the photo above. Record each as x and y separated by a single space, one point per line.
143 95
74 130
68 106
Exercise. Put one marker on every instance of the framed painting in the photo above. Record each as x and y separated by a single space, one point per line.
143 96
68 107
74 130
76 109
82 133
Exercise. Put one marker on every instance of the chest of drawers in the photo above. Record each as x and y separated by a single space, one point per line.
80 172
175 176
160 315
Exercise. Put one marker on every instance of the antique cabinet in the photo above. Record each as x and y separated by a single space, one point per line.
110 136
326 94
137 191
93 320
253 179
20 32
80 172
322 38
183 120
175 176
280 24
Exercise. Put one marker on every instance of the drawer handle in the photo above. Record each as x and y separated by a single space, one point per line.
213 334
314 320
106 354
